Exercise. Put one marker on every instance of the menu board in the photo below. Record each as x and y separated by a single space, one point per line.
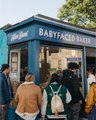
14 62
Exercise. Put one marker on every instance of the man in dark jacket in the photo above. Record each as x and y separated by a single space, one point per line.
70 80
5 91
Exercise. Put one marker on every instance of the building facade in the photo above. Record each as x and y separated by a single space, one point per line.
45 45
3 48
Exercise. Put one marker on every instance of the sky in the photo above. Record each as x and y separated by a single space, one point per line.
14 11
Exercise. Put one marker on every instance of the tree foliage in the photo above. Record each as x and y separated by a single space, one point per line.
79 12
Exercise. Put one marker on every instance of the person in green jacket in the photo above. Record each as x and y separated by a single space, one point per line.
47 97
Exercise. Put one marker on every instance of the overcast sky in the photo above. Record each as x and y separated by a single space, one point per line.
13 11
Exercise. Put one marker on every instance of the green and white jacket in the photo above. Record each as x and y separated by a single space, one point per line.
46 100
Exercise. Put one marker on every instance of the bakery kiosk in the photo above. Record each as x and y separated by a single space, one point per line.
43 45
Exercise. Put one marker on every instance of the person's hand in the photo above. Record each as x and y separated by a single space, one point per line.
42 117
56 113
80 102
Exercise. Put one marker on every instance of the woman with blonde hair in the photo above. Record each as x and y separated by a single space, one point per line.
28 98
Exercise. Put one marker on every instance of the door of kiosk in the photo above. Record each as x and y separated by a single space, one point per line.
15 64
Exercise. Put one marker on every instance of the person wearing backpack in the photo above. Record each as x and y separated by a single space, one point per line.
54 100
71 81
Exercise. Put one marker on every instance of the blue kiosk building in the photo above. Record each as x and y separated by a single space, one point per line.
45 45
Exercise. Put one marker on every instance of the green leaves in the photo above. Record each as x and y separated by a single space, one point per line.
79 12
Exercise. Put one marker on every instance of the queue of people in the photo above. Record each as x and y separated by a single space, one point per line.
60 99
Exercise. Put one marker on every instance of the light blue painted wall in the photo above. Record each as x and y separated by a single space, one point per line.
3 48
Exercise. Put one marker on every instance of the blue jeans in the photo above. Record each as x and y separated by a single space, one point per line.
92 114
73 112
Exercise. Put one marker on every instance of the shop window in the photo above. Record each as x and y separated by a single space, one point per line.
54 59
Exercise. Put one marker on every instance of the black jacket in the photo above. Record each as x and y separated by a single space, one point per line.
71 82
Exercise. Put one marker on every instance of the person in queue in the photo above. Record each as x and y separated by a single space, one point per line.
91 77
53 87
6 92
28 98
90 107
71 81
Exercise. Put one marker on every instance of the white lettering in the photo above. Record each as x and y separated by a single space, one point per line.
70 37
50 34
54 34
58 35
64 36
19 36
83 40
46 33
23 34
14 37
89 41
73 38
77 38
40 31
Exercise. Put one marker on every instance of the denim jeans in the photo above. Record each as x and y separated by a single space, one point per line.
3 113
73 111
92 114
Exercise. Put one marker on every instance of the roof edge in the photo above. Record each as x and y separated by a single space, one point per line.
46 19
